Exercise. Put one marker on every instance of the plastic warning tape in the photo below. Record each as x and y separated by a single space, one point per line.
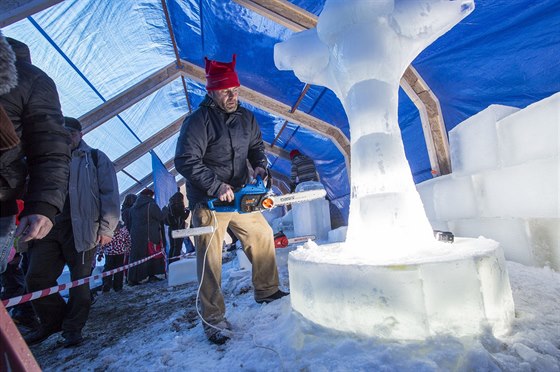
57 288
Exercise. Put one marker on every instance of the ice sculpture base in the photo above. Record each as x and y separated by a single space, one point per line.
458 290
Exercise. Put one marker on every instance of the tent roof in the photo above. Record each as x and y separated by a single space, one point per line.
117 68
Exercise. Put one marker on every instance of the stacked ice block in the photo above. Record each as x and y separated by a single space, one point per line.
504 184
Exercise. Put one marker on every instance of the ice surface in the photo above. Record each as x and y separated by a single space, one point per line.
526 190
512 234
516 202
532 242
313 217
338 235
182 271
457 290
360 51
454 197
474 142
392 278
532 133
426 191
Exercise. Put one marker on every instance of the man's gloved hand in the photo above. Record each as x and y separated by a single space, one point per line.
99 257
225 193
261 172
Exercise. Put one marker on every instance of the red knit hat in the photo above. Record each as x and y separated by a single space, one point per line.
293 153
220 75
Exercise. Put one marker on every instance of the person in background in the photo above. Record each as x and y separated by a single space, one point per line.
89 217
303 169
125 209
213 147
114 253
175 215
34 148
146 227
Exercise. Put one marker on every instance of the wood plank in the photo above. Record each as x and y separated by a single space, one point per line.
12 11
281 153
281 181
129 97
144 182
435 133
14 352
155 140
282 12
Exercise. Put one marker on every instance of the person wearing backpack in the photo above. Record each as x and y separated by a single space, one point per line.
88 219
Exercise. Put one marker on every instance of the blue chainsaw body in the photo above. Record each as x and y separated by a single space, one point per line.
247 199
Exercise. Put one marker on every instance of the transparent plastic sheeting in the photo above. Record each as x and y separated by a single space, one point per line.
480 62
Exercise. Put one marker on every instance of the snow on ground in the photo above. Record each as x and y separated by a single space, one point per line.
155 328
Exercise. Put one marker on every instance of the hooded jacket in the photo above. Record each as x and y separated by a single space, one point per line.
93 192
44 151
214 146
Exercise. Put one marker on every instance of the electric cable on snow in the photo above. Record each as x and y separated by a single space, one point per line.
227 332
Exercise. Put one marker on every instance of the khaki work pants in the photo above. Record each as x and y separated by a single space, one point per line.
257 240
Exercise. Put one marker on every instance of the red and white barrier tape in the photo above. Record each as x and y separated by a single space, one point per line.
45 292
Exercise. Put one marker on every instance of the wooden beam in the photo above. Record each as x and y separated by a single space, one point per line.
281 181
12 11
282 12
158 138
297 19
282 110
129 97
276 151
435 133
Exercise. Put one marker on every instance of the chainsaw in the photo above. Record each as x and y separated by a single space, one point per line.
282 241
257 197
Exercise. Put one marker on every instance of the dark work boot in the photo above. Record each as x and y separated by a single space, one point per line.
273 297
220 333
71 338
40 334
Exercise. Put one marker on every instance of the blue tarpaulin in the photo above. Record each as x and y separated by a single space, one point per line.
506 52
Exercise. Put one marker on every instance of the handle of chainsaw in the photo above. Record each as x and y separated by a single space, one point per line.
233 206
226 207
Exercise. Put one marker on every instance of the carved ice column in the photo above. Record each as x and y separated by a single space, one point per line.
360 51
391 278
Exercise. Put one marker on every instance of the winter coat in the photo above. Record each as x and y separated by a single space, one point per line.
125 209
175 213
303 170
44 151
146 223
119 245
214 146
94 197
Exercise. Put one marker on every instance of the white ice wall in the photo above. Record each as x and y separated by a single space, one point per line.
505 182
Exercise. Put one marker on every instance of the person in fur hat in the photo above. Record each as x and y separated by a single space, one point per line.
33 145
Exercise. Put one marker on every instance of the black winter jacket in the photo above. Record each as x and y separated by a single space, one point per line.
44 152
214 146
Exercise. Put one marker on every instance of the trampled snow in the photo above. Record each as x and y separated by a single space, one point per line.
155 328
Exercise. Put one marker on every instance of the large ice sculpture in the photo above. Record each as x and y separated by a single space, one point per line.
390 274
